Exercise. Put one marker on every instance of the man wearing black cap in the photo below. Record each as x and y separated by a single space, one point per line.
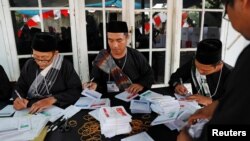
229 114
207 73
120 68
47 78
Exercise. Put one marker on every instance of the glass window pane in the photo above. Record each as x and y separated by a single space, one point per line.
142 4
25 23
158 66
113 3
192 4
159 29
159 4
94 30
212 25
55 3
186 56
213 4
191 27
23 3
113 15
91 58
142 29
93 3
57 22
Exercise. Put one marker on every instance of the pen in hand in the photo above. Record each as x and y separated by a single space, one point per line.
17 93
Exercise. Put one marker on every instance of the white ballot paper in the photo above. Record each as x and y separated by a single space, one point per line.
84 102
143 136
100 103
91 94
150 95
7 111
125 96
161 119
140 106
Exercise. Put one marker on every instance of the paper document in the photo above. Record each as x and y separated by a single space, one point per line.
7 111
91 94
125 96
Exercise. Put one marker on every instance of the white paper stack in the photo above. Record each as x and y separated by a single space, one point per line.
91 94
140 106
143 136
7 111
150 95
22 128
89 103
165 105
125 96
114 121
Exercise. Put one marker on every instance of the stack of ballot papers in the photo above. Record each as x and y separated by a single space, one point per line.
143 136
114 121
150 95
88 103
186 110
125 96
21 128
7 111
140 106
91 94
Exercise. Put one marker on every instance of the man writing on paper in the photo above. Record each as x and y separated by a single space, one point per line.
47 78
206 72
231 109
120 68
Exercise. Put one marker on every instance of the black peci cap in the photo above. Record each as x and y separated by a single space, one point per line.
117 27
44 42
209 51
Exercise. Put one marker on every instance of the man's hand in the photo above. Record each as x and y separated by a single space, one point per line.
134 88
42 104
180 89
203 100
89 85
204 113
183 135
20 104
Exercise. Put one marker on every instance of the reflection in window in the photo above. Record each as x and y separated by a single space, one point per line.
212 25
93 3
158 63
25 24
159 4
213 4
23 3
55 3
192 4
190 33
159 29
142 29
186 56
57 22
142 4
94 30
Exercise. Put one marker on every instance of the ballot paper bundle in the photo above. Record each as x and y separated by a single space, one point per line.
125 96
165 105
21 128
89 103
140 106
150 96
186 110
114 121
91 94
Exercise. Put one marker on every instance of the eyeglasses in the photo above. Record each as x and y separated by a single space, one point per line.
43 61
